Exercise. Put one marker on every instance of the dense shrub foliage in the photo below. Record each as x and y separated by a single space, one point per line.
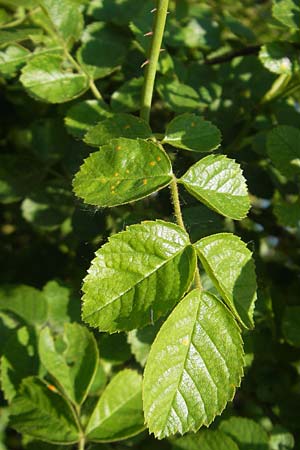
149 284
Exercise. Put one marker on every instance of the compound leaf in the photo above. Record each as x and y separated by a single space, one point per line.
45 78
118 413
120 125
122 171
194 366
75 367
228 262
40 411
191 132
218 182
138 276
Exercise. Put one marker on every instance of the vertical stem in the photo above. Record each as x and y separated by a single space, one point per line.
158 31
81 443
176 203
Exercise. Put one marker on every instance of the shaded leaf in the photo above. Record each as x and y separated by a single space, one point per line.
205 440
217 181
229 263
122 171
19 360
248 434
46 79
24 301
287 212
138 276
75 367
194 366
191 132
118 413
279 57
287 12
114 348
291 325
120 125
141 340
178 97
128 97
83 115
283 146
38 409
18 34
58 304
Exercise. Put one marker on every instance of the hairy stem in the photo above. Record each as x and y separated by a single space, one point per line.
150 73
176 203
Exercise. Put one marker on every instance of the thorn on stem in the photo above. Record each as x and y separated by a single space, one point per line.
150 33
145 63
162 50
153 10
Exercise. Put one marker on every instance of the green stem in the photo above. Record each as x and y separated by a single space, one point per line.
176 203
150 73
81 443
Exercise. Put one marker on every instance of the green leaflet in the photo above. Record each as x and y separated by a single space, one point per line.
128 97
279 57
48 78
287 212
291 325
103 51
122 171
194 366
65 16
19 34
85 114
118 413
75 367
19 360
120 125
25 301
205 440
43 413
287 12
229 263
246 433
12 59
141 340
191 132
283 146
178 97
217 181
138 276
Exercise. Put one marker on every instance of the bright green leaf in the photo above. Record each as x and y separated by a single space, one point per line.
118 413
120 125
122 171
75 367
194 366
43 413
85 114
191 132
287 12
66 17
205 440
138 276
59 305
218 182
246 433
291 325
283 146
229 263
19 34
48 78
24 301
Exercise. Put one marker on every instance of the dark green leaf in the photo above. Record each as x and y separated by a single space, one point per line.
191 132
179 97
248 434
43 413
291 325
205 440
122 171
141 340
128 97
283 146
120 125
